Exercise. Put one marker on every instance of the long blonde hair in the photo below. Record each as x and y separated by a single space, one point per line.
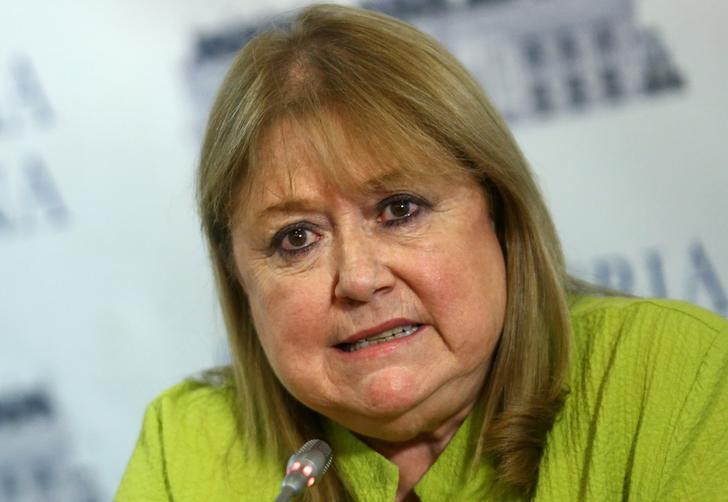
399 93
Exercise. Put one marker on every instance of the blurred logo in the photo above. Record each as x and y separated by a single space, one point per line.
535 58
29 194
34 458
701 283
24 105
544 57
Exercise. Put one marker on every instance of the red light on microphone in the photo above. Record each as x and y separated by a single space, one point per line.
304 467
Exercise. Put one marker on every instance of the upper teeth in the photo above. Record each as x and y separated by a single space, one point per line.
384 336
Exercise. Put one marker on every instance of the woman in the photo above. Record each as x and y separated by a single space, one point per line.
392 283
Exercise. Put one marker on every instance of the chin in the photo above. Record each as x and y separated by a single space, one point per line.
392 423
398 430
392 393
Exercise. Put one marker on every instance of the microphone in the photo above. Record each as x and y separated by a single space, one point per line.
304 467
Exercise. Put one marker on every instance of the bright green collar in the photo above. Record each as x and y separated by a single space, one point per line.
367 474
373 478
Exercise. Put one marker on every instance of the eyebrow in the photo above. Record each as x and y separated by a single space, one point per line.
288 206
374 184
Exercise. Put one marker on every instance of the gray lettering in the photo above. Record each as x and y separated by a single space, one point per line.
703 273
656 273
42 192
614 272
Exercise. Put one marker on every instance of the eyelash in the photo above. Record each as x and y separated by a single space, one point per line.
276 245
406 198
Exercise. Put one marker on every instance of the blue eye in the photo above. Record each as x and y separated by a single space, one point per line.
400 208
294 239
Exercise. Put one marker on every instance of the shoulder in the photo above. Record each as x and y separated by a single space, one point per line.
636 309
658 348
647 403
195 418
656 365
677 329
208 395
190 447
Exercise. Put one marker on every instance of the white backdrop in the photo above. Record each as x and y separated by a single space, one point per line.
105 293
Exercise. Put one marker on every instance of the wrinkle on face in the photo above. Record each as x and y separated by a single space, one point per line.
446 273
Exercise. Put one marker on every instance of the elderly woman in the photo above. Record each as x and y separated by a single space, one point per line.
392 283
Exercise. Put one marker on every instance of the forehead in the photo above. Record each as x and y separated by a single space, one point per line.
297 157
328 151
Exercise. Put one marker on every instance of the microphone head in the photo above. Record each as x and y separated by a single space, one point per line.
318 452
307 465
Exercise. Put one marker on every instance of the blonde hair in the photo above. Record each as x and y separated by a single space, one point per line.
400 95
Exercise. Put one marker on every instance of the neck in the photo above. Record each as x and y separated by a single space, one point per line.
415 456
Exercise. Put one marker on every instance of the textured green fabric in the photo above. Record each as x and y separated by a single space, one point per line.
646 419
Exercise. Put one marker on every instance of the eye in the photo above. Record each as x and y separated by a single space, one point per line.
294 239
400 209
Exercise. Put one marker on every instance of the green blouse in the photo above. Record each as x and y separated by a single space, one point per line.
646 419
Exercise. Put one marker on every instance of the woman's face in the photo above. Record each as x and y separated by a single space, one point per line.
379 308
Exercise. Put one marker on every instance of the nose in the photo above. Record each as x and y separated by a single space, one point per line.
361 268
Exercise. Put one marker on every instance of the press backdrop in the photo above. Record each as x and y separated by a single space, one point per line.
105 293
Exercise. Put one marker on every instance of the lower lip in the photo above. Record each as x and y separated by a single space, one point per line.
384 347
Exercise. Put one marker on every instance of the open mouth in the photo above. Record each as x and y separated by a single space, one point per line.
384 336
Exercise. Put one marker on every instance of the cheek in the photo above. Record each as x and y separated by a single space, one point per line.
289 325
466 293
473 272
